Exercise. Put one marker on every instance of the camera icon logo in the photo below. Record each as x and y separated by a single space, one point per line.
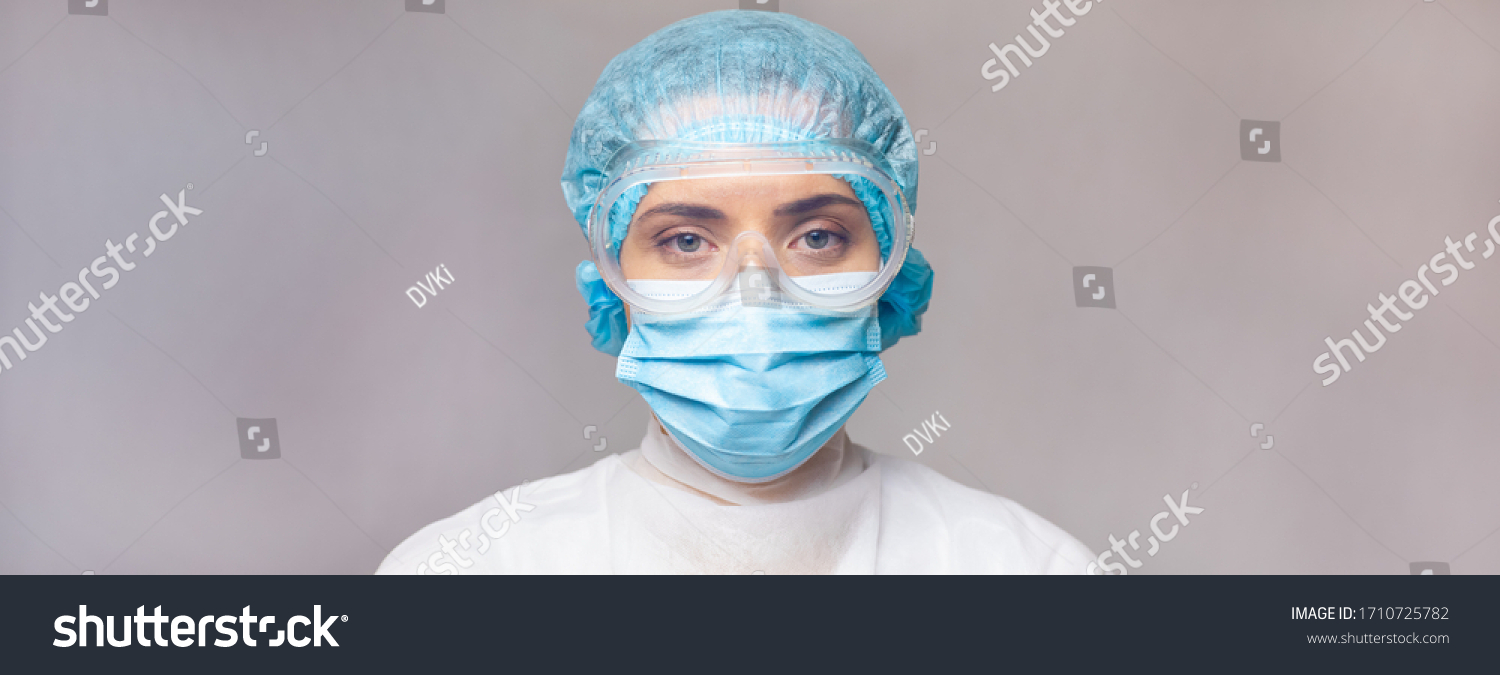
1094 287
1260 141
95 7
432 6
258 438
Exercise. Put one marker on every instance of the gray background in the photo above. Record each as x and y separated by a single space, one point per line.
398 141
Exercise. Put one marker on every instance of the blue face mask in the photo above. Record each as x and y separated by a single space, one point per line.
755 383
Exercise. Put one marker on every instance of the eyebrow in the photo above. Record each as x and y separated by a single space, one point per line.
702 212
695 211
814 203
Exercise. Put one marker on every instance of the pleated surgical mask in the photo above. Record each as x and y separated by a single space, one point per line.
754 381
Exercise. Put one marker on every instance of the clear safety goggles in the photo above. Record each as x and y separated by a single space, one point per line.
703 265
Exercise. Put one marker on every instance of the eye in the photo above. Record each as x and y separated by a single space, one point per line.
819 239
688 243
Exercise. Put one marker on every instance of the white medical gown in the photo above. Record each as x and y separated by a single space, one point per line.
654 510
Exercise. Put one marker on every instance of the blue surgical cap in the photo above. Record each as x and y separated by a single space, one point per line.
742 77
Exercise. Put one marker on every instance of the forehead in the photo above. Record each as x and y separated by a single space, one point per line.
744 191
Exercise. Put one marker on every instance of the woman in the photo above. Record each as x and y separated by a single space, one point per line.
746 183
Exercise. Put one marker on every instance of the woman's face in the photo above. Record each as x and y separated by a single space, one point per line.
682 229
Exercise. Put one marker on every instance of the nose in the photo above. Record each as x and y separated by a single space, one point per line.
757 283
749 250
751 244
755 267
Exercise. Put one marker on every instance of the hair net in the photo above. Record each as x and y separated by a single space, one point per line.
741 77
